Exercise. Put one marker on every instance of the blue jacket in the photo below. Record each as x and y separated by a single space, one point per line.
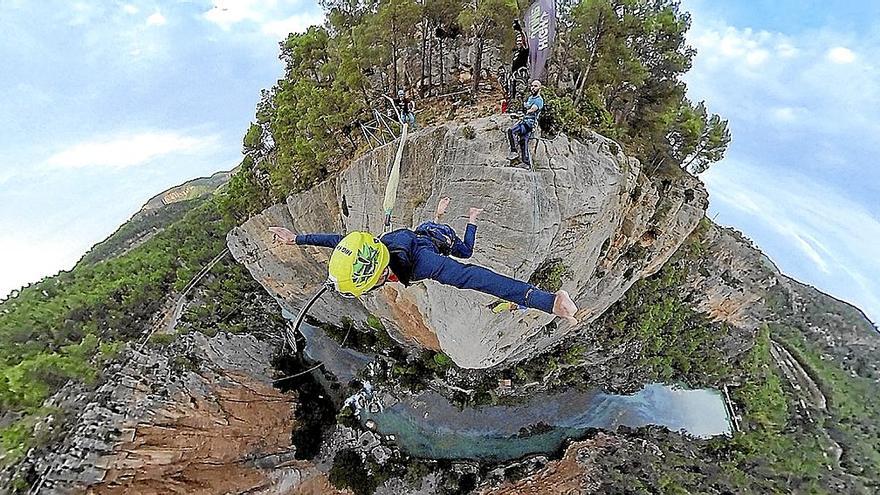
414 257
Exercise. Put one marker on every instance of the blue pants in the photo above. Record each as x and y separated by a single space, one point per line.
429 264
409 250
519 135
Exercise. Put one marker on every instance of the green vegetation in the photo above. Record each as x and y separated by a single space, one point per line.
375 323
142 225
66 326
162 339
550 275
617 69
853 405
229 300
775 453
469 132
675 342
625 60
350 471
369 337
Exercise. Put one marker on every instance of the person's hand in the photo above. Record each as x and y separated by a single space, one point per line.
442 205
565 307
473 213
283 235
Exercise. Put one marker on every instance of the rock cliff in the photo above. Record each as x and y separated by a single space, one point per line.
198 417
586 211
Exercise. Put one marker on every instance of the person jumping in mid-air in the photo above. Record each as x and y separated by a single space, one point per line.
519 134
362 262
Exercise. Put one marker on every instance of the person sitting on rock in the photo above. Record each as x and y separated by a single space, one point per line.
362 262
519 134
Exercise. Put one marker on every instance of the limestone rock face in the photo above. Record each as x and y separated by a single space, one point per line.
586 209
200 416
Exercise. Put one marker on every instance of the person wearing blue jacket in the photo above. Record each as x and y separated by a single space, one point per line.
362 262
519 134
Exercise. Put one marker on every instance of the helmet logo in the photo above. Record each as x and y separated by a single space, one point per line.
365 265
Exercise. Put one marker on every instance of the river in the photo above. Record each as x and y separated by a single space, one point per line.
428 425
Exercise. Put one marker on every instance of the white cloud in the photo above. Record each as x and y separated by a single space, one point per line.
746 74
130 9
293 24
747 46
830 231
5 176
788 115
129 150
271 17
25 261
157 19
83 13
785 49
227 13
841 55
757 57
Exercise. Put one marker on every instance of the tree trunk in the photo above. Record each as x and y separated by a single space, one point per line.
394 64
478 64
442 75
593 49
430 62
425 45
586 72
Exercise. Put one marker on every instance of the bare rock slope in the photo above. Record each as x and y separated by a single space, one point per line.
586 211
201 418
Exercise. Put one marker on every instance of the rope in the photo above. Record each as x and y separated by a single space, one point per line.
394 179
313 368
290 333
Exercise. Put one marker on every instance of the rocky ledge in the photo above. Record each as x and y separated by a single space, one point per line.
197 416
586 216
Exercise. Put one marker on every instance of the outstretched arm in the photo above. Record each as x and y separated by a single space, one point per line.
288 237
466 249
324 240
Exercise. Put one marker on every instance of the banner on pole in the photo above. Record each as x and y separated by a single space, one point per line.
541 29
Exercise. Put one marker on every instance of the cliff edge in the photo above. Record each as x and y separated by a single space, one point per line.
586 216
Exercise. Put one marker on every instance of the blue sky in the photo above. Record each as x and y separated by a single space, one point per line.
106 104
800 84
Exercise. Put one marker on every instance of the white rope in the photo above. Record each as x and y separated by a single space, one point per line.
394 179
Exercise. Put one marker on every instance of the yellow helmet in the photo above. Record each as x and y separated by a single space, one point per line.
357 263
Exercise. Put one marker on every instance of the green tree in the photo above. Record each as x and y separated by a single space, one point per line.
594 28
394 27
697 140
441 22
486 19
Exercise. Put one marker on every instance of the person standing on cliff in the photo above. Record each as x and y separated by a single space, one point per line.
405 108
362 262
520 58
519 134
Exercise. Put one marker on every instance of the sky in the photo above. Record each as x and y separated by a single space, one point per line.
800 84
106 104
